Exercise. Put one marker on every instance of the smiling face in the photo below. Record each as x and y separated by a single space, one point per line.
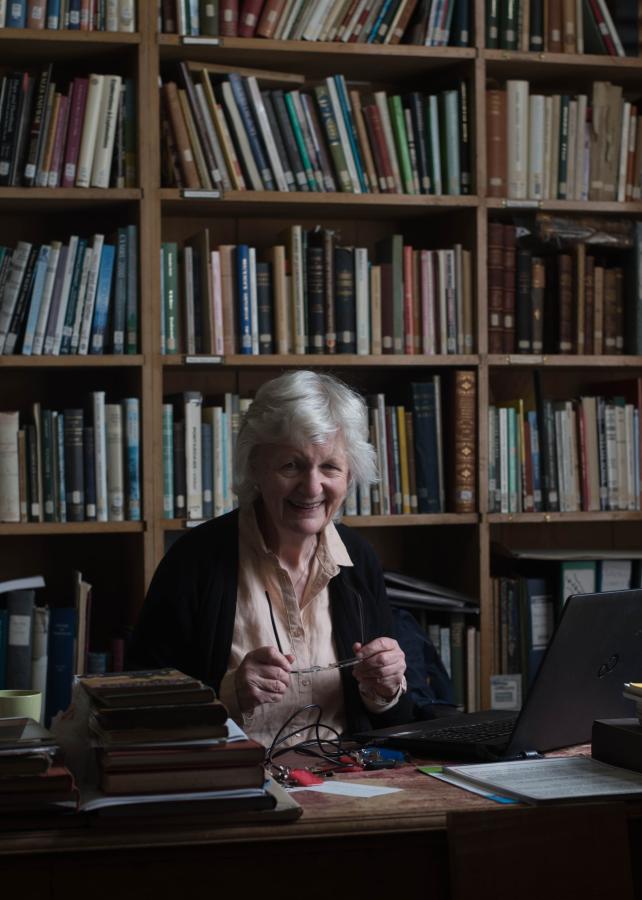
301 488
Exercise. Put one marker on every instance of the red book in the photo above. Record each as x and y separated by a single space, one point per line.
36 13
249 17
228 23
55 166
603 28
74 130
379 148
270 18
408 301
495 287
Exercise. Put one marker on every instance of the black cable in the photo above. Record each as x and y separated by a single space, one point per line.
276 633
305 746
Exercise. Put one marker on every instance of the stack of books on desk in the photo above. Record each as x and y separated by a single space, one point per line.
163 738
33 779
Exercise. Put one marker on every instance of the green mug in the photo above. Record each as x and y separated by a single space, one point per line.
20 703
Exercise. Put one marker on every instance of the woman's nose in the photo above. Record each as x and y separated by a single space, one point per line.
312 482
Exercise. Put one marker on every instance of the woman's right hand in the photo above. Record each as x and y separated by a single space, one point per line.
262 677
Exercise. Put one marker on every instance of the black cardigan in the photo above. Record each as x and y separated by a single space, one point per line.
187 620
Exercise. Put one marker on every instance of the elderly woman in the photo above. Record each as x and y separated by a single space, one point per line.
251 601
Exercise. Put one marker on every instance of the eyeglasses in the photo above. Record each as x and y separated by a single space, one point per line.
341 664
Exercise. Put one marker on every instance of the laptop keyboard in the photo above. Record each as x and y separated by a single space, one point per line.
474 732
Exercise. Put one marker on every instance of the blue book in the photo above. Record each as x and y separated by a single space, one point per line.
535 461
73 299
62 641
4 627
131 342
244 307
53 15
61 490
73 15
207 465
168 461
252 132
424 410
16 14
342 93
103 293
119 311
131 417
377 22
36 298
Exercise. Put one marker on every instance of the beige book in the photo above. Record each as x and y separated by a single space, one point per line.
536 134
548 146
578 186
49 133
375 310
89 130
107 119
555 147
468 304
238 129
226 253
569 19
525 32
195 142
517 136
613 136
599 126
9 467
233 166
335 17
381 100
364 143
115 471
624 153
181 137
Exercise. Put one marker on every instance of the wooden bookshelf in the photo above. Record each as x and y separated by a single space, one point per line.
451 548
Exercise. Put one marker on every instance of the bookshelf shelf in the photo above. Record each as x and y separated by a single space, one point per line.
96 361
401 521
70 528
65 46
238 203
544 518
552 361
334 361
563 62
586 207
64 199
318 59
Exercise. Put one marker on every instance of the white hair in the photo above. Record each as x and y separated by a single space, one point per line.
301 407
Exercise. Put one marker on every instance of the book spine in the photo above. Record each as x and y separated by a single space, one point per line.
74 464
131 419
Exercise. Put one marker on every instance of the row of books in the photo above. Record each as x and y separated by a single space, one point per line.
198 452
77 297
563 146
456 640
54 15
565 302
42 646
433 23
589 26
57 469
577 455
312 294
222 132
67 133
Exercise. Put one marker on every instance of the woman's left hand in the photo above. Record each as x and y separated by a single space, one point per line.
383 666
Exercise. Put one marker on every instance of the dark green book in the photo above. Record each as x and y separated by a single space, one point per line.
345 312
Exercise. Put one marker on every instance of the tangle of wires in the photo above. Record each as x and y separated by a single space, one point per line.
328 749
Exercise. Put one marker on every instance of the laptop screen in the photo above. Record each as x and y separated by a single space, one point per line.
596 647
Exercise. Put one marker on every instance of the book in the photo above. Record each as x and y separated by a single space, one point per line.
549 780
149 687
191 779
217 754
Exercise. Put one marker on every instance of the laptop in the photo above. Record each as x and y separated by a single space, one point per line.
596 647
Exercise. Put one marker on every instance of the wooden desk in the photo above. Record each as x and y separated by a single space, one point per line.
341 848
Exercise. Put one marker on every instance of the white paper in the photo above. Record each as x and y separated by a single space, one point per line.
348 789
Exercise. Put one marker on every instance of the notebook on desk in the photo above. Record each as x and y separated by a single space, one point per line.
596 647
